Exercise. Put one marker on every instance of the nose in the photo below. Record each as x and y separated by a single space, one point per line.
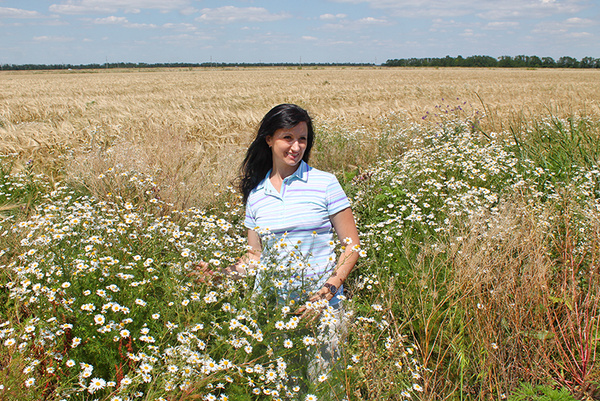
296 146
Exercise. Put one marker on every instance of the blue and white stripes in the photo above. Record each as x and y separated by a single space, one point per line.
298 219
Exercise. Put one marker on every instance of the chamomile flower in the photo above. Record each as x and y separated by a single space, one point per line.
99 319
96 384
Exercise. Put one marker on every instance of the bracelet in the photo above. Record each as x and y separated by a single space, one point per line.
332 288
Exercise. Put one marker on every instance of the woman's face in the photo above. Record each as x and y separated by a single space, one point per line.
288 146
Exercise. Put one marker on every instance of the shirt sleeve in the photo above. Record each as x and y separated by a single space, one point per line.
250 219
336 197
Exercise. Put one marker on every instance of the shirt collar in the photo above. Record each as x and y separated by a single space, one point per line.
301 174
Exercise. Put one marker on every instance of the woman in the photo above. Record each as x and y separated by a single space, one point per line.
297 205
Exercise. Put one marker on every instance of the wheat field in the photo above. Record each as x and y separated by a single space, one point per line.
194 124
68 108
481 273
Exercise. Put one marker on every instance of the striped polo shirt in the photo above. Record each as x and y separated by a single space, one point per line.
294 224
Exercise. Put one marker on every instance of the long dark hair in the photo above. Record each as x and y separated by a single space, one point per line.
259 158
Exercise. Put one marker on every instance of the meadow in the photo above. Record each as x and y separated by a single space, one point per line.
476 192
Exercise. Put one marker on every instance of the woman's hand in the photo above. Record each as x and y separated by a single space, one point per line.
235 271
202 273
312 309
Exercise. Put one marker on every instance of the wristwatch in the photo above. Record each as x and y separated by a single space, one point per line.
332 288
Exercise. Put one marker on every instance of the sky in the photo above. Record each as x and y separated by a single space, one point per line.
306 31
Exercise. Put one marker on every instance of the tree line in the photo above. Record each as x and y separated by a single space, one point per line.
167 65
503 61
471 61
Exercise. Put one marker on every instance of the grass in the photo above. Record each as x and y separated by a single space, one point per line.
480 221
498 261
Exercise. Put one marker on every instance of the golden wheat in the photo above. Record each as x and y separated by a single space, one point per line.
223 106
199 121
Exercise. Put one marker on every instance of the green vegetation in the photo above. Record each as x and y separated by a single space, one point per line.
481 281
26 67
527 392
520 61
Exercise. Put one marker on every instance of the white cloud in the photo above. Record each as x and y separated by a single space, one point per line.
565 28
349 25
579 21
550 28
487 9
578 35
309 38
53 39
421 8
180 26
56 22
112 20
78 9
137 25
451 25
6 12
372 21
112 6
228 14
528 8
501 25
332 17
188 11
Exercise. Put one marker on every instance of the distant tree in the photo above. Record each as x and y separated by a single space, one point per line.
459 61
589 62
520 61
548 62
567 62
534 61
481 61
505 61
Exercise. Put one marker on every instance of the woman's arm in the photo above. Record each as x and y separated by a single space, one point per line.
345 227
203 273
253 253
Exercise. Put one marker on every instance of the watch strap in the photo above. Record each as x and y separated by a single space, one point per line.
332 288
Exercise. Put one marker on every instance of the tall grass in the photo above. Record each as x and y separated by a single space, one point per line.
481 227
495 239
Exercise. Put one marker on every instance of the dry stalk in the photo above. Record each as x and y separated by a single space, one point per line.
186 173
535 295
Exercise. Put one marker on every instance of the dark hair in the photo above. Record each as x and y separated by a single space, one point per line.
259 158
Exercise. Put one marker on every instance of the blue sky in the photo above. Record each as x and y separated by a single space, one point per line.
152 31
